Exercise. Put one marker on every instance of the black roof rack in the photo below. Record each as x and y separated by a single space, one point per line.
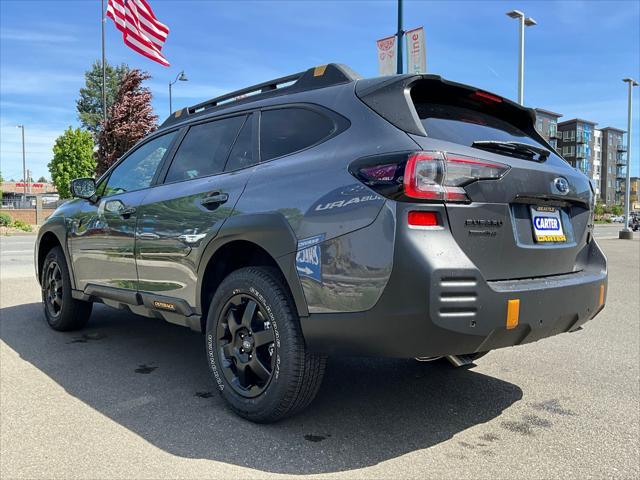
316 77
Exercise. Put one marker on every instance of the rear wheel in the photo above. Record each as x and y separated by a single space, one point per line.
256 350
61 310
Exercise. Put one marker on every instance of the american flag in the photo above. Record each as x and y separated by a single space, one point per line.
140 28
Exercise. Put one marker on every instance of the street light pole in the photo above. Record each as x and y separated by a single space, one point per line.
182 78
524 22
626 233
24 166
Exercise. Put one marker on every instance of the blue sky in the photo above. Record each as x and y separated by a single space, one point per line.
575 57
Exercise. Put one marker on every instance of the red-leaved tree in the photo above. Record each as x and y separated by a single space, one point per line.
130 118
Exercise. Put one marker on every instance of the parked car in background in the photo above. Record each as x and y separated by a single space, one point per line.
321 213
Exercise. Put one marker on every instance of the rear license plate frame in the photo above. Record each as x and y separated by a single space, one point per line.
546 223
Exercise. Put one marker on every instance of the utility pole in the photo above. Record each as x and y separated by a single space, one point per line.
626 233
104 68
24 167
524 22
399 35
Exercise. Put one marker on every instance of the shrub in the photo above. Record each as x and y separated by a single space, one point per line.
20 225
5 219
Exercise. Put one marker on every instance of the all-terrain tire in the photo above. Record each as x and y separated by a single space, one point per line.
61 310
295 374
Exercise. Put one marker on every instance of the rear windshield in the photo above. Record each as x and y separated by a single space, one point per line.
465 126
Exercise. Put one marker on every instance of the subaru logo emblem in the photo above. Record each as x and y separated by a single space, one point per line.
562 185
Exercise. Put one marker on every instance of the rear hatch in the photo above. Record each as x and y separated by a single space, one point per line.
535 219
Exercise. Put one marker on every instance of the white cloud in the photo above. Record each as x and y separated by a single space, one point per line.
41 36
34 82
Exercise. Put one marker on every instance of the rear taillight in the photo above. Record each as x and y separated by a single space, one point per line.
442 176
424 176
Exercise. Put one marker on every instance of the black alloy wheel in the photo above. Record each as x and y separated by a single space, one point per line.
52 289
61 310
246 342
255 347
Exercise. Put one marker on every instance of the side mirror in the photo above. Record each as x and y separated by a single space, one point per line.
83 187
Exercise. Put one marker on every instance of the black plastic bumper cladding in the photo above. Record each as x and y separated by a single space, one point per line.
437 302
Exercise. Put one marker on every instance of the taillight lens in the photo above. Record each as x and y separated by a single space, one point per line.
442 176
427 176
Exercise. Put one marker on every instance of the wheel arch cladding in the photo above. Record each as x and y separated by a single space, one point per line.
264 239
47 241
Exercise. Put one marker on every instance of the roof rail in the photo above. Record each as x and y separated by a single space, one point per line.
313 78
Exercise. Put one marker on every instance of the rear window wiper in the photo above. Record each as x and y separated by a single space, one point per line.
515 148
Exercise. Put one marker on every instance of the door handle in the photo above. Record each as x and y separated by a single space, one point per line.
126 212
214 200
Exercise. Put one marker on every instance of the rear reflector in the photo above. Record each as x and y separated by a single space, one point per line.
601 297
513 313
423 219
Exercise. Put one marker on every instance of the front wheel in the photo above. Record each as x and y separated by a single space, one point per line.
62 311
256 350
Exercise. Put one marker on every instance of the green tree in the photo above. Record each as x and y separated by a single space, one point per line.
42 180
130 118
89 104
616 210
72 158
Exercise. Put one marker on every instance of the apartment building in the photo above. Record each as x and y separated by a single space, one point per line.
576 142
635 190
598 153
547 125
597 161
613 170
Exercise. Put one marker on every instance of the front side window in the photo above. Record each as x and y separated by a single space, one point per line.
288 130
137 170
204 149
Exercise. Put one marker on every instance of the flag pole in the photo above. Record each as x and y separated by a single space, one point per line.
399 35
104 69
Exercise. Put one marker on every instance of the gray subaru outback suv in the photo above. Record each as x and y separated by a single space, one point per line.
321 213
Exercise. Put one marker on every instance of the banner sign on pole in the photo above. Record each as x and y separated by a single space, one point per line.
387 55
416 51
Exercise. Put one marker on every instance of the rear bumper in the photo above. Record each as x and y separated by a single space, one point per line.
437 303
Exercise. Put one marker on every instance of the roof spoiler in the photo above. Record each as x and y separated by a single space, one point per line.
393 99
313 78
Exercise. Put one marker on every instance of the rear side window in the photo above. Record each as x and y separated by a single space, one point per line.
204 149
287 130
241 155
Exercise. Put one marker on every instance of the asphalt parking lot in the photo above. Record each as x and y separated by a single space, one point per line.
131 397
